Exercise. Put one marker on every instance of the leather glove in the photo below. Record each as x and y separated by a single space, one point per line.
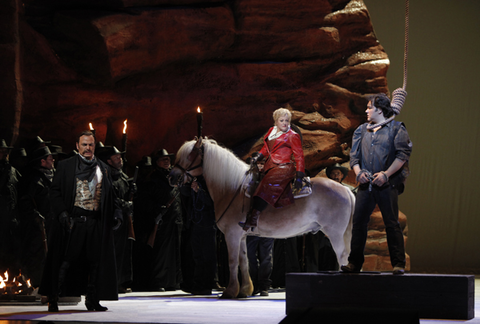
117 226
133 188
117 215
256 157
64 219
299 180
127 207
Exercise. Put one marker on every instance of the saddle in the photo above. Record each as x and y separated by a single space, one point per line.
250 185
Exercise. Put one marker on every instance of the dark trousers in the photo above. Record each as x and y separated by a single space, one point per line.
260 262
387 200
199 259
84 238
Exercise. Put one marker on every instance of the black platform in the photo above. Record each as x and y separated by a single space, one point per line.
432 296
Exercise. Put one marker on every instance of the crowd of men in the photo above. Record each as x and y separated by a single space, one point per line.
74 222
163 238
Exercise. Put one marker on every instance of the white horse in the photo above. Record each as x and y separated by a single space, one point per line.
328 209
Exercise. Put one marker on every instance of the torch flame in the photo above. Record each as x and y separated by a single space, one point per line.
125 127
198 109
91 127
6 276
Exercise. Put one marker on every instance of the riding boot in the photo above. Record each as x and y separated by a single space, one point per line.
62 274
91 299
251 221
53 298
53 303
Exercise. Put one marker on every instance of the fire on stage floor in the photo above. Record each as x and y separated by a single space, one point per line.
176 307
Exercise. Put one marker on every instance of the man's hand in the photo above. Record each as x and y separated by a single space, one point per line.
363 178
299 180
379 179
64 219
117 226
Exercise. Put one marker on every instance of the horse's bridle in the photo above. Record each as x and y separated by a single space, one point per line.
192 156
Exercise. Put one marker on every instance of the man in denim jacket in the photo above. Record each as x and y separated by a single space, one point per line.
380 148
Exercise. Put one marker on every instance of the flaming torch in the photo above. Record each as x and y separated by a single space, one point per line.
92 129
124 144
124 138
199 122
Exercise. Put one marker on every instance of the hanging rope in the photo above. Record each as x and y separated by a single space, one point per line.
405 52
399 95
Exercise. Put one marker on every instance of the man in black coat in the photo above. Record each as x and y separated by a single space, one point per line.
34 206
157 267
81 250
9 233
123 236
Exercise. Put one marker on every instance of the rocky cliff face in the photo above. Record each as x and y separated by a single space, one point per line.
154 62
70 63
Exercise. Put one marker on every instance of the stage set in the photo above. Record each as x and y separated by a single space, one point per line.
324 297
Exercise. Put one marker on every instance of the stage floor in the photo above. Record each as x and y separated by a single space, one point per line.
176 307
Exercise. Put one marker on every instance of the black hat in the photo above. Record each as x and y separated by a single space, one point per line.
40 153
99 149
18 153
39 140
161 153
57 150
3 144
337 166
107 152
146 161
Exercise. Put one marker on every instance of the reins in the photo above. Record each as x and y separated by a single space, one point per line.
234 195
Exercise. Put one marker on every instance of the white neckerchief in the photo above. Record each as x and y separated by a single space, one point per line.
274 134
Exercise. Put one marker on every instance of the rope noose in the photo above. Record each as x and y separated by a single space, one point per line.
399 95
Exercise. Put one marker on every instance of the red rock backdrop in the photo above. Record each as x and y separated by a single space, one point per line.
69 63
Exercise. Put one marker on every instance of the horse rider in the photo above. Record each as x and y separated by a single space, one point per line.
280 143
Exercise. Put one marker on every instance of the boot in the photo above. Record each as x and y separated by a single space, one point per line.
251 221
53 303
53 298
62 274
91 300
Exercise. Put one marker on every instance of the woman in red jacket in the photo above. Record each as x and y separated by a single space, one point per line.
280 145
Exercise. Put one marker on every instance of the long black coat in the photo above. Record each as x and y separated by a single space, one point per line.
34 207
62 197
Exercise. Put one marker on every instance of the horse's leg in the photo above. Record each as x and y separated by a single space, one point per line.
341 234
247 285
233 245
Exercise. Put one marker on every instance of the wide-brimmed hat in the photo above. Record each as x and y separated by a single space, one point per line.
40 153
18 153
39 140
146 161
57 150
162 153
108 151
3 144
99 148
336 166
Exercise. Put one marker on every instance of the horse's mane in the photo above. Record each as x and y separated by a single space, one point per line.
222 169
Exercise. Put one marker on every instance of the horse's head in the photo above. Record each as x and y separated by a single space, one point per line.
188 163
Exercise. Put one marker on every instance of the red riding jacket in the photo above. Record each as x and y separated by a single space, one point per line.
285 146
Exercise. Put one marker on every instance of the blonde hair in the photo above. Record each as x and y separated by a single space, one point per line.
281 112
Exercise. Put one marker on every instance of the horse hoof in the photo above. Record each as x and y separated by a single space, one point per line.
242 295
225 296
